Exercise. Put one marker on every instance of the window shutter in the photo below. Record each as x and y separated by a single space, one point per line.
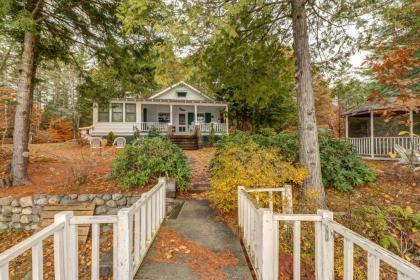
144 114
190 118
207 117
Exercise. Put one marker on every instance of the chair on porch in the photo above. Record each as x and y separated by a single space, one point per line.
119 142
408 157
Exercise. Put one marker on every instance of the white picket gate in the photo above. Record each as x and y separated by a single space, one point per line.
260 234
129 246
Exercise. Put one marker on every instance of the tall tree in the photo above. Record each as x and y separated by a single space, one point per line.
54 29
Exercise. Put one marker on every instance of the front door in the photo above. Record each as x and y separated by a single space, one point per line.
182 122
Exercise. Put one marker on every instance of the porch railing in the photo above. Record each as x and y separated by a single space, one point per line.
217 127
382 146
260 232
129 247
147 126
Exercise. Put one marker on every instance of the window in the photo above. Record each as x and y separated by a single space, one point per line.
200 117
181 93
103 113
117 112
130 112
164 117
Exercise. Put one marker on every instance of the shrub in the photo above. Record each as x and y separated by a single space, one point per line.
153 132
341 167
110 138
150 158
248 165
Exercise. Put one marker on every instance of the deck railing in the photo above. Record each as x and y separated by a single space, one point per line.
147 126
260 232
129 247
217 127
382 146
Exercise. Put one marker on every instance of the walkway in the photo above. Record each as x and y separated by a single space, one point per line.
195 246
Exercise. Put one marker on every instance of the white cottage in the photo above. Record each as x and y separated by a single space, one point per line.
181 106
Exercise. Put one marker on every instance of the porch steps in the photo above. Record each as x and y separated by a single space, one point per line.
185 142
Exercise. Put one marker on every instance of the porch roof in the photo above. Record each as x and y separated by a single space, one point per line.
169 101
381 105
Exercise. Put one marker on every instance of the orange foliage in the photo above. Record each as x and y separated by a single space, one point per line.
60 131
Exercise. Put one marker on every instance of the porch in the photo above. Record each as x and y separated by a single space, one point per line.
124 117
374 129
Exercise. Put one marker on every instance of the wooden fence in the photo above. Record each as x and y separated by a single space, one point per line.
129 246
260 233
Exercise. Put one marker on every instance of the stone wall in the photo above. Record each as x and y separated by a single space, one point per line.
24 213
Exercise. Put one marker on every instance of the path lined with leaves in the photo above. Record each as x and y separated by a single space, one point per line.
195 246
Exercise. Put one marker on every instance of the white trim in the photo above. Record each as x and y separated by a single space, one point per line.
176 85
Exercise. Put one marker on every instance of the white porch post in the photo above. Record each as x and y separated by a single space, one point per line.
170 114
195 113
347 127
139 113
227 119
372 150
95 113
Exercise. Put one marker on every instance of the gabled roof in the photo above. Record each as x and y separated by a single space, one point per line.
181 83
384 104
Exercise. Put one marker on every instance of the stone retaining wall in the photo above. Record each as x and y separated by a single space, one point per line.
24 213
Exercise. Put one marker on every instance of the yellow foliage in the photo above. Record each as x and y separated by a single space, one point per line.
250 166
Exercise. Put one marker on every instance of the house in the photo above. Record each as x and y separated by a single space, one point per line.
376 126
180 108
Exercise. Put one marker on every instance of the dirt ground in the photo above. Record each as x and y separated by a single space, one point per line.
64 168
395 186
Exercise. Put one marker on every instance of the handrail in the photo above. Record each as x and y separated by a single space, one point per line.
259 228
141 221
391 259
28 243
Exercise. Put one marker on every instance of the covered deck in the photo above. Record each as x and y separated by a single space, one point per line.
124 116
375 127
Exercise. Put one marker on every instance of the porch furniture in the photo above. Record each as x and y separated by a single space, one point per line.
408 157
119 142
96 143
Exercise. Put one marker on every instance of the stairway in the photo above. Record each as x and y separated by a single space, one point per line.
185 142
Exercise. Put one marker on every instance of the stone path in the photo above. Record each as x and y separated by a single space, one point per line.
199 161
194 236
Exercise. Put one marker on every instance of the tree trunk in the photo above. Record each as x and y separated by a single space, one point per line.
308 134
24 97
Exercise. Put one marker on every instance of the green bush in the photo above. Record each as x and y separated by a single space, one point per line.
149 158
153 132
341 167
110 138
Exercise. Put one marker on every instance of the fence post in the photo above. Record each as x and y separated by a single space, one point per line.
327 245
269 267
163 209
62 248
240 206
124 234
287 203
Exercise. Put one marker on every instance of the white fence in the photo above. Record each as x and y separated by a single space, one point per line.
129 246
147 126
382 146
260 232
217 127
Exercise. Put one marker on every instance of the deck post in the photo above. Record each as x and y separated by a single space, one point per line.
346 128
170 114
372 146
327 245
139 114
195 113
124 248
62 250
269 269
